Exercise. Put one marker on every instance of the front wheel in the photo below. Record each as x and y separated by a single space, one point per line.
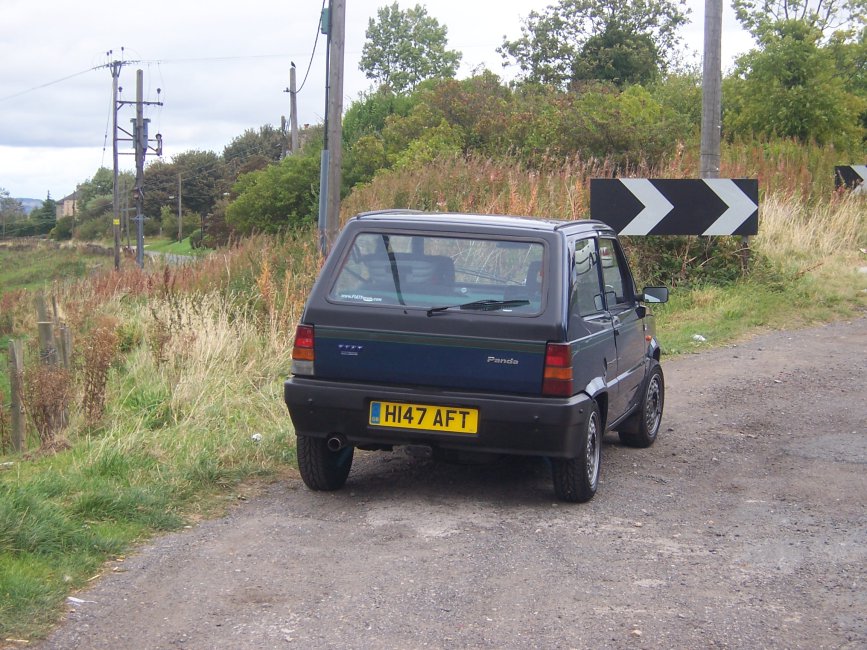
321 468
643 427
576 479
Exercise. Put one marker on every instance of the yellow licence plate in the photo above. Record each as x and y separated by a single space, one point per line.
424 416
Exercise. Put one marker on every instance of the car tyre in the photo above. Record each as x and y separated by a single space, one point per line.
322 469
576 479
642 429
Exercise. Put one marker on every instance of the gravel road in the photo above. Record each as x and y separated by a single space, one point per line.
745 526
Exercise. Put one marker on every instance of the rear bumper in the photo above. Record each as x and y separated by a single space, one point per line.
508 424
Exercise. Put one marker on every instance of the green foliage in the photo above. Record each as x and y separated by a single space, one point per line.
94 229
245 152
11 211
281 196
367 115
169 221
618 56
438 141
680 93
792 88
63 228
602 122
44 217
481 106
362 161
403 48
96 207
552 43
201 179
760 17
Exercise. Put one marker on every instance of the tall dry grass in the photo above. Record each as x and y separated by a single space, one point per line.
556 189
559 189
798 232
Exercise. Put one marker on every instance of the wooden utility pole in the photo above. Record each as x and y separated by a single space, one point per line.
140 137
711 84
293 111
337 39
180 219
16 371
115 74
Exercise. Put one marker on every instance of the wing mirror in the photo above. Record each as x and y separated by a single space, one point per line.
654 294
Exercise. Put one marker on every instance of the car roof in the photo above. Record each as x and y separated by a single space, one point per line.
416 218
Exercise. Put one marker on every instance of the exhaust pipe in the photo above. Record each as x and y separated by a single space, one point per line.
336 442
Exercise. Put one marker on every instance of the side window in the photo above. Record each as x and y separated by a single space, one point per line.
586 295
615 274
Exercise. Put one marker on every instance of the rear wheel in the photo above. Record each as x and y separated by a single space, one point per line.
576 479
321 468
643 427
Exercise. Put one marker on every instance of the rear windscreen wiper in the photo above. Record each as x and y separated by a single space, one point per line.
481 305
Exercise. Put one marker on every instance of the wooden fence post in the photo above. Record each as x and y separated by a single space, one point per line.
16 371
65 346
47 346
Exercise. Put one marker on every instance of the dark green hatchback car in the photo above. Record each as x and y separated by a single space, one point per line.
468 334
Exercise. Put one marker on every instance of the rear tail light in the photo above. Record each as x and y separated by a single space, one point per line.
557 378
302 351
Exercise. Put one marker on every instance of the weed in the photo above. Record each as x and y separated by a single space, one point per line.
5 427
97 354
47 394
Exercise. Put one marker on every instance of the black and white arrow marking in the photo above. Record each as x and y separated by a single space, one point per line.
710 206
851 176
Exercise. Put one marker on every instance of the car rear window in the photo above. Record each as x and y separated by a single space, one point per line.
431 270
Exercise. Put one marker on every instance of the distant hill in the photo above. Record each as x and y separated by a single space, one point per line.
30 204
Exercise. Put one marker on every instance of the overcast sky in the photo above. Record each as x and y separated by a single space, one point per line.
221 66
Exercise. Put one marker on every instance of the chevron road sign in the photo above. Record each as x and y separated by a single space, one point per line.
710 206
850 176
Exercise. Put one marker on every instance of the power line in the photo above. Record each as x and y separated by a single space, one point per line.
50 83
313 53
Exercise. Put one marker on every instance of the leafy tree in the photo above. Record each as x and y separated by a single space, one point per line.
404 48
281 196
681 93
552 43
363 160
619 56
45 217
443 139
96 207
201 173
791 88
217 232
102 183
11 211
367 115
760 17
481 106
254 149
63 229
851 60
